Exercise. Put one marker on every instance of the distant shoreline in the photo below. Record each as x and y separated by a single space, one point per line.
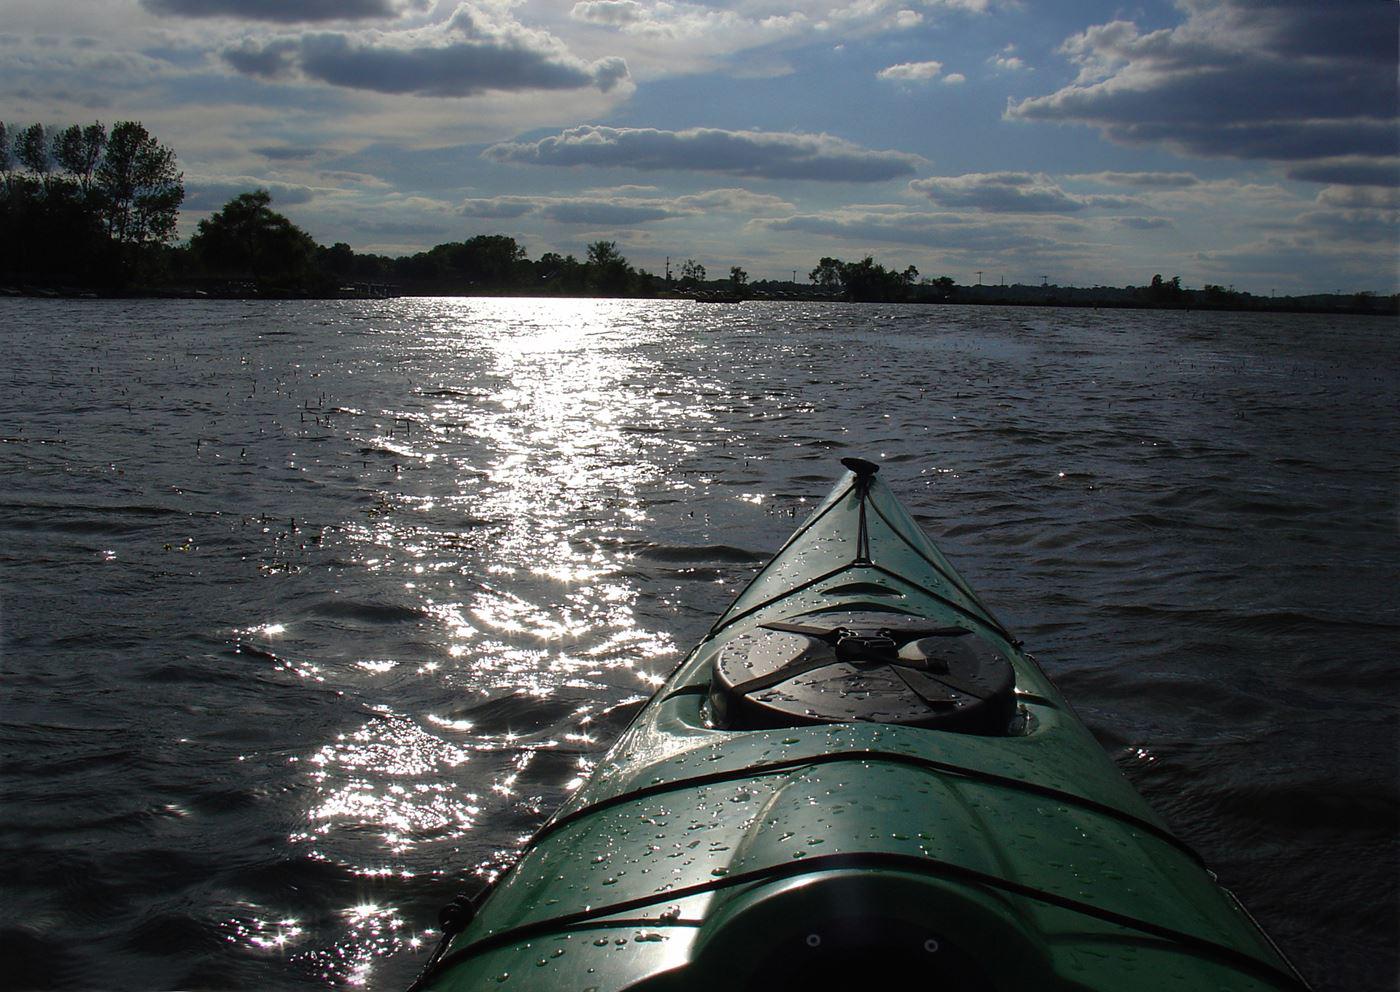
963 296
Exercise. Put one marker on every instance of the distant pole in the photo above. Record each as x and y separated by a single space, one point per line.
668 268
794 275
1045 280
979 277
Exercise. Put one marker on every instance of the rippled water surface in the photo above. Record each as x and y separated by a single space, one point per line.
310 612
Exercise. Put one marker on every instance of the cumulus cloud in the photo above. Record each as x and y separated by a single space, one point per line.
284 11
1007 63
954 78
1360 197
688 22
764 154
605 212
1285 80
625 205
212 192
1010 192
1144 223
285 153
945 232
467 55
497 206
1145 180
1349 171
914 72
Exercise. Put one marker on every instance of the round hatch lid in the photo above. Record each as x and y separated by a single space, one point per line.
863 667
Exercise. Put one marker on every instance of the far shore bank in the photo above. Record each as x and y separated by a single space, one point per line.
1007 296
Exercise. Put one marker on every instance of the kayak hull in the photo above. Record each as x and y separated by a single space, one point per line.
810 855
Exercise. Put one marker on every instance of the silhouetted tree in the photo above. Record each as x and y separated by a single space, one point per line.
248 238
608 271
78 150
32 151
485 261
140 187
827 274
692 274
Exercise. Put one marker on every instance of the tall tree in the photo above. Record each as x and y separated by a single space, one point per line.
692 273
608 271
32 150
140 186
7 160
827 274
78 150
248 238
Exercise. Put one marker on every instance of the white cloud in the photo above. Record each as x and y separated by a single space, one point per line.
954 79
468 54
1283 80
624 206
766 154
1011 192
286 11
911 71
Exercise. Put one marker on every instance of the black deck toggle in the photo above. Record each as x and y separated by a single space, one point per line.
862 468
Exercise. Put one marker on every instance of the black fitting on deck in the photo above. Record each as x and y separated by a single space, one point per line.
863 469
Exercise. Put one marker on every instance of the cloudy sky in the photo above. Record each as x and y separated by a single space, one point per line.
1244 142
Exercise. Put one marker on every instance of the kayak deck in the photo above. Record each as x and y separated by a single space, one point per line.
799 854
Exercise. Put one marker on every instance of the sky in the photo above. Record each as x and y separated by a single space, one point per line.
1246 143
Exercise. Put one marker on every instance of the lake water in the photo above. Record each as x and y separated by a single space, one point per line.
312 611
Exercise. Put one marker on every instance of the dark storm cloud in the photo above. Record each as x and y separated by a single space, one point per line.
283 11
1279 80
768 155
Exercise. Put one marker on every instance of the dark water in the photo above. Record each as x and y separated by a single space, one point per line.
309 611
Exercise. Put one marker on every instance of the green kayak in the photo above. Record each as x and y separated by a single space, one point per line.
858 776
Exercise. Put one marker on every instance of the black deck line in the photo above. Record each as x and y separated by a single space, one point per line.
1237 959
867 754
955 581
720 622
984 619
715 630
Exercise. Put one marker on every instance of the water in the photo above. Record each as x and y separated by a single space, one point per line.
311 611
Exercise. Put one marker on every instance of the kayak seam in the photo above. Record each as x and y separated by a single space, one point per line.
892 757
1234 957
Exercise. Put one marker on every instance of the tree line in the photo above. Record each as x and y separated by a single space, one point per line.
85 206
80 201
89 207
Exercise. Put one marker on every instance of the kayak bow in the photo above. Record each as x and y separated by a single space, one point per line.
857 775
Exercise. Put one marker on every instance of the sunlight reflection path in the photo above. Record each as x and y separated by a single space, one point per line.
527 438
